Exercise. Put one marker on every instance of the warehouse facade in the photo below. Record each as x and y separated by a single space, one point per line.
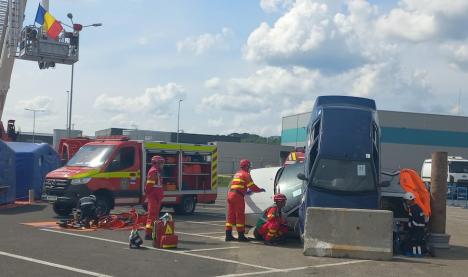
407 139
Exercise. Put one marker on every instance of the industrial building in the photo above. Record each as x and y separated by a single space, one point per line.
261 155
407 139
149 135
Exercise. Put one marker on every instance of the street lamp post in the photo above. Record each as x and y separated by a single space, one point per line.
68 108
76 29
178 120
34 120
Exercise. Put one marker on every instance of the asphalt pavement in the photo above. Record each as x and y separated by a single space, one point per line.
45 250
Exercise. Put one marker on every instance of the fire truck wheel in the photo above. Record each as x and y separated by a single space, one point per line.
103 205
187 206
62 209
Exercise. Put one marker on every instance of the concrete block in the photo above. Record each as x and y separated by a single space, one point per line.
349 233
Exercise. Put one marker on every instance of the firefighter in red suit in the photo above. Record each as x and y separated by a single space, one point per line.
275 227
241 184
154 193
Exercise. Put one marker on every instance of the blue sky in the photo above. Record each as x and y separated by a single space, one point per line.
242 65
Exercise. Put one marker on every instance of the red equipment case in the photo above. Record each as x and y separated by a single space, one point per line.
163 234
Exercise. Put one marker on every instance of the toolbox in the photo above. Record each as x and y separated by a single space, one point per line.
163 233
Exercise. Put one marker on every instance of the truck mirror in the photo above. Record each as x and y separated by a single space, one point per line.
385 184
302 177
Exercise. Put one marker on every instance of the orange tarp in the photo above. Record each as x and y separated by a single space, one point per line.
411 182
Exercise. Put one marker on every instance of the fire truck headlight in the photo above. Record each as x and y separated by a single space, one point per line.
81 181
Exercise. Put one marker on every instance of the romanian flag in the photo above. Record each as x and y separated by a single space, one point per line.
51 25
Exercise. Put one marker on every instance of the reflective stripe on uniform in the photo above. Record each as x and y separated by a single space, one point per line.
148 226
238 180
237 186
272 231
239 225
418 224
250 184
228 224
151 182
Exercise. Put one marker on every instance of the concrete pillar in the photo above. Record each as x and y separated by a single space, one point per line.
438 192
439 239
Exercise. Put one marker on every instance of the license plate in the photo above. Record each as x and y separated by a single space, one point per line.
51 198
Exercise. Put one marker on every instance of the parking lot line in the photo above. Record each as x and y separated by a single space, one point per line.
163 250
286 270
212 223
200 235
69 268
211 233
211 249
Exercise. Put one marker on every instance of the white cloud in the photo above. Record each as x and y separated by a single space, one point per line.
421 20
155 100
269 88
43 103
212 83
457 54
275 5
315 34
201 44
411 26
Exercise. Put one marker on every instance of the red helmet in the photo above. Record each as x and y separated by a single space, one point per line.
279 197
155 160
245 164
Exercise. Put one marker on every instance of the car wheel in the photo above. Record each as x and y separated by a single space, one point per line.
103 205
61 209
187 206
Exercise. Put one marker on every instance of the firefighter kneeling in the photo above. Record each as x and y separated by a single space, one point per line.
272 226
87 211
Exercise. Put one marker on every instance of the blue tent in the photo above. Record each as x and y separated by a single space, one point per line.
7 174
33 162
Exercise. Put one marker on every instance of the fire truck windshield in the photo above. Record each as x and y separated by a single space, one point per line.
91 156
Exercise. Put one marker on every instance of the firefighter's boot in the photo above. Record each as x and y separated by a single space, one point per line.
148 233
229 236
242 237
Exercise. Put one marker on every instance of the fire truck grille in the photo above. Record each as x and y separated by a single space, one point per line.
56 186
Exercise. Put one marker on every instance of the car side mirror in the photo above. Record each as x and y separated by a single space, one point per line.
302 177
385 184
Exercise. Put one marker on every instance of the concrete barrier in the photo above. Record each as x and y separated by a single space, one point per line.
349 233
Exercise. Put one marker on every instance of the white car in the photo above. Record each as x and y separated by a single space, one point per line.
275 179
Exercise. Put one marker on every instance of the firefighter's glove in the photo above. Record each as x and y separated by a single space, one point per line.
262 190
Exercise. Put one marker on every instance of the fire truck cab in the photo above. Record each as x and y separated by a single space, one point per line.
115 171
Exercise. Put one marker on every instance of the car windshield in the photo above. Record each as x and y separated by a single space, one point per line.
458 167
346 176
91 156
290 185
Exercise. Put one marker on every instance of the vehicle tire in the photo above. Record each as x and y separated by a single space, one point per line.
257 235
103 205
61 209
187 206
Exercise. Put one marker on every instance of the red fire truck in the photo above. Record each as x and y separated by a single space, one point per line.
115 171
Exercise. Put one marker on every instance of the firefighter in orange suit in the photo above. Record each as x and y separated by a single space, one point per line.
273 227
241 184
154 192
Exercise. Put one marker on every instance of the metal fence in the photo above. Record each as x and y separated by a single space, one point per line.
457 196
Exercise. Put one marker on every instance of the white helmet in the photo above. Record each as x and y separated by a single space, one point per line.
409 196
